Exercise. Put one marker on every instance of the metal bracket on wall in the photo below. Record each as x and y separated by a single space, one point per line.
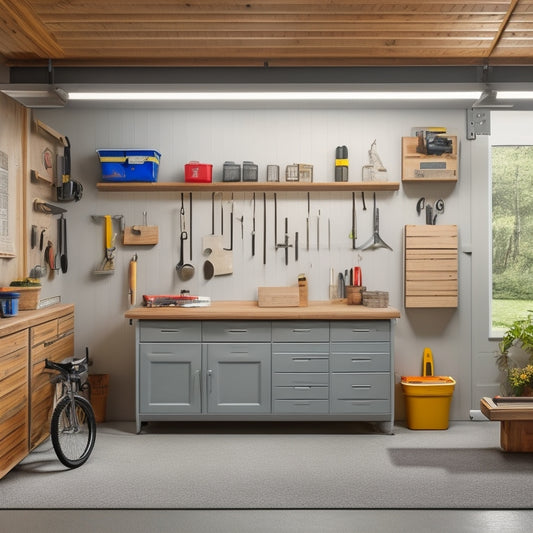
477 123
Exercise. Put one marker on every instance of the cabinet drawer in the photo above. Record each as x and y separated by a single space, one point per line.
58 348
360 330
361 407
299 379
236 331
355 359
300 363
304 407
9 364
300 331
43 332
170 331
14 399
360 386
58 351
14 443
12 343
301 392
65 324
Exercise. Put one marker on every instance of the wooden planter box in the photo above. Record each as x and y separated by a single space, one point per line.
29 296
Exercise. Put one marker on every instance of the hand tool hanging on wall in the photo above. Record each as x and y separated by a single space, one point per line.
353 235
264 228
318 231
185 270
132 277
375 240
253 224
431 217
190 226
107 266
308 216
63 244
230 227
285 244
67 189
276 220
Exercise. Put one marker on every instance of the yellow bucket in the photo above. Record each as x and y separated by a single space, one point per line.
427 401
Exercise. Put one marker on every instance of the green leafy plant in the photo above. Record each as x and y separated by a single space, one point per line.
520 334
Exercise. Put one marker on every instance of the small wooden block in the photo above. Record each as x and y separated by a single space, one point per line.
139 235
278 296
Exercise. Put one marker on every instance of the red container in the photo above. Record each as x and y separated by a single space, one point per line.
196 172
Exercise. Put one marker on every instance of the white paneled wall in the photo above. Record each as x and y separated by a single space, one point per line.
265 137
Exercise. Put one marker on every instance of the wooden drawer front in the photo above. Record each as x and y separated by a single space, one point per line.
236 331
301 392
65 324
12 343
43 332
360 357
170 331
42 402
361 407
299 379
300 331
14 441
9 364
309 407
360 386
56 349
300 358
13 399
360 330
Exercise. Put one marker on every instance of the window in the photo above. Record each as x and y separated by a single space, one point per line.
512 233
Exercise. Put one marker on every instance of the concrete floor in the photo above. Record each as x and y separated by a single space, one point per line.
266 521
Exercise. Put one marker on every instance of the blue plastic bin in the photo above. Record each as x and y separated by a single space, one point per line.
9 301
129 165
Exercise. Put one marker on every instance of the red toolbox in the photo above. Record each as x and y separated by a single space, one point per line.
196 172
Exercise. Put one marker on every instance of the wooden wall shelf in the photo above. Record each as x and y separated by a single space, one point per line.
422 168
248 186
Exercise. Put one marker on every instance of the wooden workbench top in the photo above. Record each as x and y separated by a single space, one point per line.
27 319
249 310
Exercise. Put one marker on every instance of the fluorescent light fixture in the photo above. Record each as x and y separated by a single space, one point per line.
515 95
276 96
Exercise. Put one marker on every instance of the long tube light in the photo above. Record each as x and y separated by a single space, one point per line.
276 96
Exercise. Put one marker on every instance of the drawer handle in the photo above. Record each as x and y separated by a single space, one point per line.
361 387
170 331
301 359
360 359
368 330
301 403
301 330
301 387
53 341
237 331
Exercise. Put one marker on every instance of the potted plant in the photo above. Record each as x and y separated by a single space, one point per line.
515 357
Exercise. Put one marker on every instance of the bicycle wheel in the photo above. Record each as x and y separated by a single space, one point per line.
73 442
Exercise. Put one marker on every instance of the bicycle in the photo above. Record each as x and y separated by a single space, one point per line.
73 424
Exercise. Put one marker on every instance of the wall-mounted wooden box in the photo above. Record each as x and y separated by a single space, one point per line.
430 271
421 167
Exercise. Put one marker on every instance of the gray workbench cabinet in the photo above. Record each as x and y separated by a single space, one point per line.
256 369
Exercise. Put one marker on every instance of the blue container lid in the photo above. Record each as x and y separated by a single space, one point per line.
9 295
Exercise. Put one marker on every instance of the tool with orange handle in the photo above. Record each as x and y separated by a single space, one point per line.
133 279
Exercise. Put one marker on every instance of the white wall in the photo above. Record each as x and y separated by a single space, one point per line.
263 136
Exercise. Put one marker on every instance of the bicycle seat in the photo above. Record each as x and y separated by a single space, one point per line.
67 366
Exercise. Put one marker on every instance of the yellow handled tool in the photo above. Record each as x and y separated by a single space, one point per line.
427 362
133 279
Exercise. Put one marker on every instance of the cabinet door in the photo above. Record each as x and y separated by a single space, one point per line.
238 378
169 378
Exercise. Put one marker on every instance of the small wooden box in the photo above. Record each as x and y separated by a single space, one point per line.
278 296
421 167
140 235
431 266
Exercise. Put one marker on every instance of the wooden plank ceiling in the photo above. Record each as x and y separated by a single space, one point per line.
258 32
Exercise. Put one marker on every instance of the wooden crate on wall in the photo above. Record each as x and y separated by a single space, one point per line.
430 269
420 167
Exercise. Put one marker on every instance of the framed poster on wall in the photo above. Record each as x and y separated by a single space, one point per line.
7 248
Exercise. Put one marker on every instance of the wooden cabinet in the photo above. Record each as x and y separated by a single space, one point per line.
14 444
26 395
431 261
